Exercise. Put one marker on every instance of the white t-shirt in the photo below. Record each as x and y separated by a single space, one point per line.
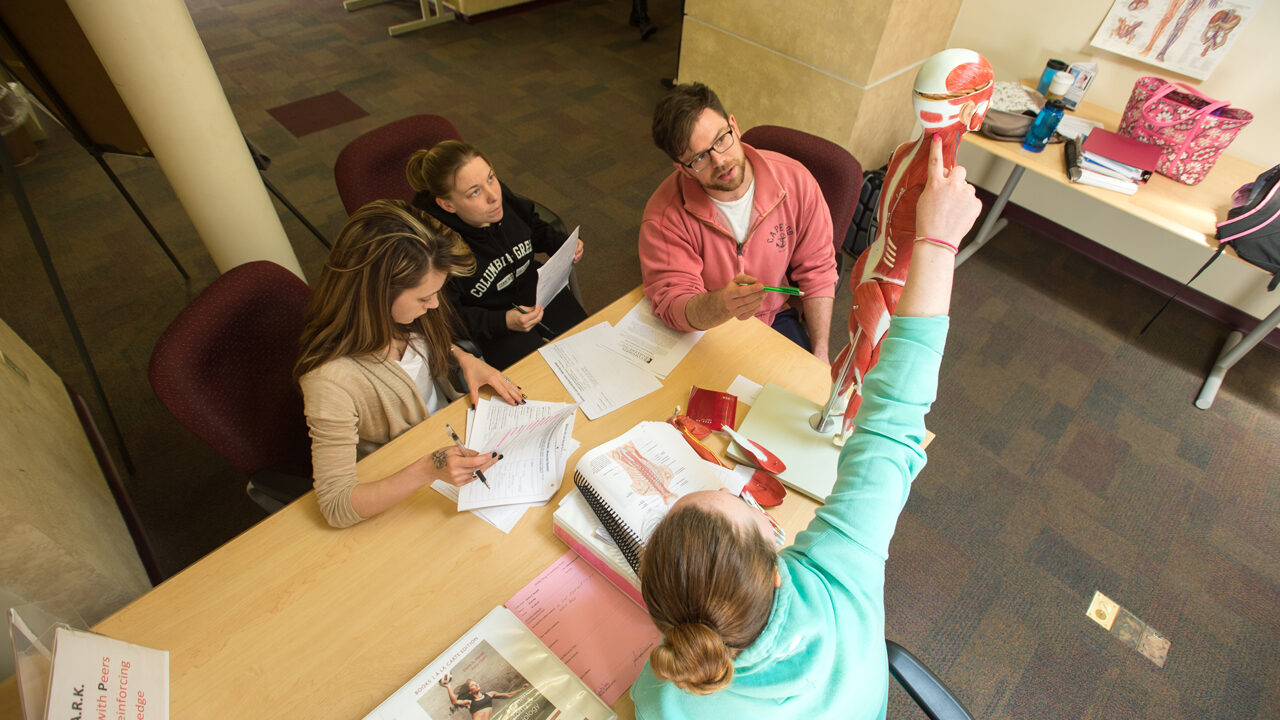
738 212
415 364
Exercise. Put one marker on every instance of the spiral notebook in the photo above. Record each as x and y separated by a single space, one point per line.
632 481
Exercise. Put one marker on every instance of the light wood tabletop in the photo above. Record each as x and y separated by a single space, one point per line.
296 619
1190 211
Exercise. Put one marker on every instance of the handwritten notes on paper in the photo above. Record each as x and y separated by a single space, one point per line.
593 628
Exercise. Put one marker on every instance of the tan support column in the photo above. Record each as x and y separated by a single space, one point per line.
840 69
154 56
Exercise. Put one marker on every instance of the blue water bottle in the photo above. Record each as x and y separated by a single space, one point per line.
1051 69
1050 115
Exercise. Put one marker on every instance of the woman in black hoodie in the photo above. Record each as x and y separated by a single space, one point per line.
455 184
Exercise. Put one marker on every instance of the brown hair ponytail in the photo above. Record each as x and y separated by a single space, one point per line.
433 171
708 584
694 657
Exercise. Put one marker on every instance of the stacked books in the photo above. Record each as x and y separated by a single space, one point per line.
1107 160
624 487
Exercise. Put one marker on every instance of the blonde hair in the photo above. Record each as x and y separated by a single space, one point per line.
433 171
709 586
384 248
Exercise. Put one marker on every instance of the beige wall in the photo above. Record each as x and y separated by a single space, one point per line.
1019 37
838 69
1029 33
62 540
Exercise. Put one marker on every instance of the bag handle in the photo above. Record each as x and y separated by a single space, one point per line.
1170 87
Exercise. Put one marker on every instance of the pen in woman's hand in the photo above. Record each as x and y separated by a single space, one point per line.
522 311
456 441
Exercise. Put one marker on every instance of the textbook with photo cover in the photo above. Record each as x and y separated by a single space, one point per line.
499 665
632 481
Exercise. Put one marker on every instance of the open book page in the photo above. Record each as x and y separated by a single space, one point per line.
532 439
593 375
645 341
500 664
639 476
597 631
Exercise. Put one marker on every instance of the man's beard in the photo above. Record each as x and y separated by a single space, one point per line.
734 183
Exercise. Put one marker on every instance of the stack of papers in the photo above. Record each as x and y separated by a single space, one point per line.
535 440
588 363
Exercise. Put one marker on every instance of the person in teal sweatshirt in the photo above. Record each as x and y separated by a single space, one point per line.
751 632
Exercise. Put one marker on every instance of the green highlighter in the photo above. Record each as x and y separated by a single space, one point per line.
785 290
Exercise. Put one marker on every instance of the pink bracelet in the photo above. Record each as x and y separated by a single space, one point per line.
940 243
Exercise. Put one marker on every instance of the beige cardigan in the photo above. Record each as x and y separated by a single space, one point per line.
354 405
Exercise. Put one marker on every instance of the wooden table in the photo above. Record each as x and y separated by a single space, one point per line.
296 619
1187 211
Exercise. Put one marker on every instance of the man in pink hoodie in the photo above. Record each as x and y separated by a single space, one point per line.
729 221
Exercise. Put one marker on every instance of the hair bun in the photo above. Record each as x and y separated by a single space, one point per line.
694 657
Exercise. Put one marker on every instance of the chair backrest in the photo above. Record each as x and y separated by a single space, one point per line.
224 369
930 694
371 167
838 172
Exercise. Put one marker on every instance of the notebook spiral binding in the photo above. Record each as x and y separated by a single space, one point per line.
626 540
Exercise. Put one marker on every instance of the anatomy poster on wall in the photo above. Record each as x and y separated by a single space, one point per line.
1185 36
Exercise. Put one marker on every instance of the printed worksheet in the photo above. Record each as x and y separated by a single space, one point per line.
589 624
593 375
532 439
645 341
554 274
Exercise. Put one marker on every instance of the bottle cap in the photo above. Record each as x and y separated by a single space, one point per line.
1056 64
1059 86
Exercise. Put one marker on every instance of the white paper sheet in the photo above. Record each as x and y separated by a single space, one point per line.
593 375
554 275
646 342
532 439
502 517
747 390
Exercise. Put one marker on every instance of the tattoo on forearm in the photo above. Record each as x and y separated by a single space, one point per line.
440 459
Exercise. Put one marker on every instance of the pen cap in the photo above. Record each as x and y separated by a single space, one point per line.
1059 86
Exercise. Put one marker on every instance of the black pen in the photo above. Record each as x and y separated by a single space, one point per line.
522 311
458 442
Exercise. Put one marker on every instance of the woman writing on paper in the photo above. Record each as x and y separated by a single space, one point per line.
376 353
752 632
456 185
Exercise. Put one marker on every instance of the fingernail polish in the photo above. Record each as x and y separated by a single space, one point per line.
499 457
494 453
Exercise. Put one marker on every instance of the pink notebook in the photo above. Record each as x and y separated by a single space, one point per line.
1112 146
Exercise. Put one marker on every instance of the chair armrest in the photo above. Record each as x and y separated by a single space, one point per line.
923 686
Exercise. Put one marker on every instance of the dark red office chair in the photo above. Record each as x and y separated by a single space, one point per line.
224 369
839 174
371 167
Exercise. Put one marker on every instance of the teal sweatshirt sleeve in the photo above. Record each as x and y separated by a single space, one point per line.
885 452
